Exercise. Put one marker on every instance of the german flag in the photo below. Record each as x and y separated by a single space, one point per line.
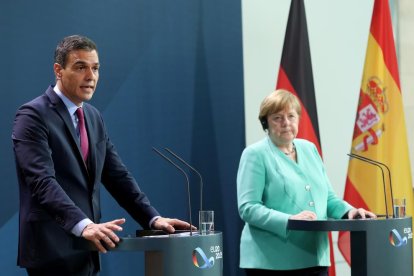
379 131
295 73
296 76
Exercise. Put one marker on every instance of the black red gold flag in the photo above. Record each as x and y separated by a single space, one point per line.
296 76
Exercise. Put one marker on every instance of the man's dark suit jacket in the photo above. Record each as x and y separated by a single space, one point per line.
57 189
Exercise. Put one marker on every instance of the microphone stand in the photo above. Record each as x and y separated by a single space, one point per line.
188 185
194 170
379 165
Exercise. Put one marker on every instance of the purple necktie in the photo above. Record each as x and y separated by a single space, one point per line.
82 133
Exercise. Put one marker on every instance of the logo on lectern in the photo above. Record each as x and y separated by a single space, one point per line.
200 259
208 262
397 240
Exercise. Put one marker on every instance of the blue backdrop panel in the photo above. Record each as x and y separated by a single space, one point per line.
171 76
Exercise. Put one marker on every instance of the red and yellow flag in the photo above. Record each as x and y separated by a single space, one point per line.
379 131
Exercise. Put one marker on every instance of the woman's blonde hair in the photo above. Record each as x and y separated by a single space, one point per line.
277 101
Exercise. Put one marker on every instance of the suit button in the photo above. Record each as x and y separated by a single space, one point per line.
307 187
59 220
311 203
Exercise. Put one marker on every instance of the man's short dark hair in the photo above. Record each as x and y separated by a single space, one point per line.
72 43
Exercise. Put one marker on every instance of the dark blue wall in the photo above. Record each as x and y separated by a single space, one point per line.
171 76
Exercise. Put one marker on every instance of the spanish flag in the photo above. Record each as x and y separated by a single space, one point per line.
379 131
296 76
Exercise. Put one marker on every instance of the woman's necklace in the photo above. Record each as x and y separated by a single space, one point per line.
292 151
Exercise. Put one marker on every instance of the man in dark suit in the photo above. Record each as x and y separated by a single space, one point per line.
62 157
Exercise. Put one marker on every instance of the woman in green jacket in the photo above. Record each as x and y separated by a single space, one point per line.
281 178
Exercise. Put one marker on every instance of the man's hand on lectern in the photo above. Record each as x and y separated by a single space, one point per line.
169 225
103 234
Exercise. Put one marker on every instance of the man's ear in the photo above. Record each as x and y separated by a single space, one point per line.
57 68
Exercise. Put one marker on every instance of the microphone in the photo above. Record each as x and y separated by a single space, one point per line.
381 166
194 170
188 185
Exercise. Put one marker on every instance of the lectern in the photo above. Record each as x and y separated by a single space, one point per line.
178 254
379 247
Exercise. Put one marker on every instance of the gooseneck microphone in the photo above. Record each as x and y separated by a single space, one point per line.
194 170
381 166
188 185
